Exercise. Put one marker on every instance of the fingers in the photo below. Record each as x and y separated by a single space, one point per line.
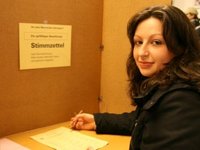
83 121
77 121
80 125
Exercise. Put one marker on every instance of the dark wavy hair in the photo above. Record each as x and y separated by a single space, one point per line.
181 39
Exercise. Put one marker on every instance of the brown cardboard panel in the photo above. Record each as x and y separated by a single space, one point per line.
39 97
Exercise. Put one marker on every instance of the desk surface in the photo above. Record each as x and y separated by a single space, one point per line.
115 142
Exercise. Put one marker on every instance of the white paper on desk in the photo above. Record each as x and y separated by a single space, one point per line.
66 139
6 144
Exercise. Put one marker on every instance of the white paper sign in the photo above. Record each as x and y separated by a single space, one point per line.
44 45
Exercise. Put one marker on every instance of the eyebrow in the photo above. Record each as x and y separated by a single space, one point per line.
157 34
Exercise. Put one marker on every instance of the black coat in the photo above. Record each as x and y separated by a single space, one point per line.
165 119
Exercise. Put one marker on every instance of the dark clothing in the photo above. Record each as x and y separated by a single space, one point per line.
165 119
195 22
197 29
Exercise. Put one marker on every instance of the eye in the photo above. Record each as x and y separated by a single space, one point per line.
157 42
137 42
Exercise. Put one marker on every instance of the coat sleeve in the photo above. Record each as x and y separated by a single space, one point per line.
174 123
108 123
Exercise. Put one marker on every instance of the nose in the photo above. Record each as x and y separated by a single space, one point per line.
143 50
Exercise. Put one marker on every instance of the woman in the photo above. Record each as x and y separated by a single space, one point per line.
164 77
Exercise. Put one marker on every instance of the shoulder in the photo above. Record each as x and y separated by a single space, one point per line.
173 118
179 92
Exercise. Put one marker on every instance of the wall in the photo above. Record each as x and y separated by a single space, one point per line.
40 97
116 49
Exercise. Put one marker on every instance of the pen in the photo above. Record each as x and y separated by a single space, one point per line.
80 112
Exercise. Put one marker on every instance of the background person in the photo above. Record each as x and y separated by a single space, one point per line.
192 14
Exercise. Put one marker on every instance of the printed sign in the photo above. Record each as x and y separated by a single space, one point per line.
44 45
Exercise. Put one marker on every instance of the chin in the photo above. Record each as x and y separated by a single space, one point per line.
147 74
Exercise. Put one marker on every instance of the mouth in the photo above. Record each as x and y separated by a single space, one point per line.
145 65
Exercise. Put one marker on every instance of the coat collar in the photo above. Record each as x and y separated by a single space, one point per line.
151 97
140 100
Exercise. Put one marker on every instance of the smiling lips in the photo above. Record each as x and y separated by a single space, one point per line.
145 65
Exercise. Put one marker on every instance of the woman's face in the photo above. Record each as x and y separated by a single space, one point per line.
150 50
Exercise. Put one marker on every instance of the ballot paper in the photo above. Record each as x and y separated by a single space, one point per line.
7 144
63 138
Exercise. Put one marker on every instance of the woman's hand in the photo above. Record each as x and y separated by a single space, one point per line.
83 121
